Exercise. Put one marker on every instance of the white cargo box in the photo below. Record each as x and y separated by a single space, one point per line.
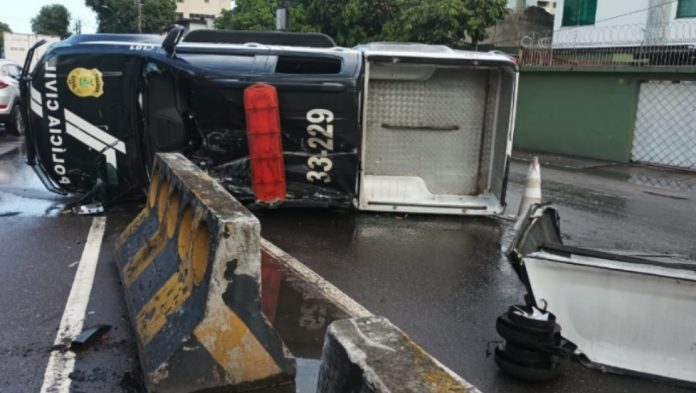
437 129
630 312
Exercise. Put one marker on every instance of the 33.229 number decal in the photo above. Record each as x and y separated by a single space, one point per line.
320 131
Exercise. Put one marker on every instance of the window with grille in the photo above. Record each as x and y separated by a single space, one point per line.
686 9
579 12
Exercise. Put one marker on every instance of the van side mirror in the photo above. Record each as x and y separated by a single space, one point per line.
172 39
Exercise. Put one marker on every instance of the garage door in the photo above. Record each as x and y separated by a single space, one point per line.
665 130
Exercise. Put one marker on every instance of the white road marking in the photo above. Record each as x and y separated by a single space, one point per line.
62 362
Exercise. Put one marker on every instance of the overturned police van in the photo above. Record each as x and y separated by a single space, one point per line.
277 118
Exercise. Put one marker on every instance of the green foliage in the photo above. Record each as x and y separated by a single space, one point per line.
450 22
121 16
482 14
249 15
354 21
260 15
52 19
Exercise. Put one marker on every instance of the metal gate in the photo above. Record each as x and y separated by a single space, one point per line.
665 129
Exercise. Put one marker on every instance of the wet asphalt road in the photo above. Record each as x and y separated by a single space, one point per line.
441 279
41 248
444 281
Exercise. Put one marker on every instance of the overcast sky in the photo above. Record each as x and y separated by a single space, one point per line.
18 13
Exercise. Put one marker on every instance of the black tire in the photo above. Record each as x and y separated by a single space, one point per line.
15 125
527 337
546 326
533 373
524 355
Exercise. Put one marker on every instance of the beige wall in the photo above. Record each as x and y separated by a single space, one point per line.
202 7
17 45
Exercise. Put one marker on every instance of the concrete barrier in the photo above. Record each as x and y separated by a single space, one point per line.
190 267
370 355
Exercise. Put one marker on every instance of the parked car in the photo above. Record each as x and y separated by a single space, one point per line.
10 114
383 126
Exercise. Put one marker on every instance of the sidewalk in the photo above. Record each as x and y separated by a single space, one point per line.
666 179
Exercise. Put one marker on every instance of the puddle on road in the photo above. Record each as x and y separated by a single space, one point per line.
300 315
21 191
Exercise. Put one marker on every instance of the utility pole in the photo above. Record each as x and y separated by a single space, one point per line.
281 19
281 15
140 16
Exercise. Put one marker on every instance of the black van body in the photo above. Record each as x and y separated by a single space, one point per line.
99 106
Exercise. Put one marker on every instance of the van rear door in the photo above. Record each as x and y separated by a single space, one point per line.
437 129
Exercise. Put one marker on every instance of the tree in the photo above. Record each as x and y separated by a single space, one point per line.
356 21
450 22
4 28
260 15
52 19
482 14
121 16
249 15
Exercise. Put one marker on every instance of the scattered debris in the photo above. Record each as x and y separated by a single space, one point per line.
77 376
89 209
533 348
89 336
629 312
72 265
58 347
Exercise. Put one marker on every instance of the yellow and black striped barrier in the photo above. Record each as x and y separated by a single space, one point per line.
190 267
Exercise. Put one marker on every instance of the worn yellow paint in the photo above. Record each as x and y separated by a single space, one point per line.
435 378
152 193
185 229
132 227
164 303
206 177
144 257
233 346
177 289
163 199
172 214
200 252
154 246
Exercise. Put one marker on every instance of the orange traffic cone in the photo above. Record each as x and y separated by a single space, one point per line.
532 191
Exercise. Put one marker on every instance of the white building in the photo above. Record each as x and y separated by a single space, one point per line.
17 45
548 5
612 23
205 10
